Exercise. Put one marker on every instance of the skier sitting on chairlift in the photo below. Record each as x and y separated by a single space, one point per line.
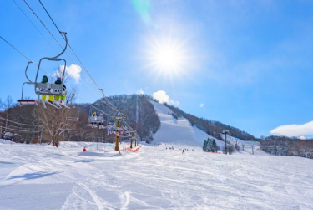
44 81
56 98
94 116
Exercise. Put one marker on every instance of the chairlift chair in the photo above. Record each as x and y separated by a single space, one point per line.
72 118
95 120
45 88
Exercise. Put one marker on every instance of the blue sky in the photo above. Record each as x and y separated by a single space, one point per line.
248 62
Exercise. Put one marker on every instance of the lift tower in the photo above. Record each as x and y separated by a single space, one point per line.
118 116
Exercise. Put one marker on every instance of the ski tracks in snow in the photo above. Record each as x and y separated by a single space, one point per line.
124 200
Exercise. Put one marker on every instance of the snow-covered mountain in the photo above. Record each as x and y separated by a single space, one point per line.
177 131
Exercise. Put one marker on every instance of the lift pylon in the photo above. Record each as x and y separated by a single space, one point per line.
118 116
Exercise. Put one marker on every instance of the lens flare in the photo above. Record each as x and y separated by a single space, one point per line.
167 56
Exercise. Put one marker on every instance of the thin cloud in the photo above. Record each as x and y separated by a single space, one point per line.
140 92
294 130
201 105
162 97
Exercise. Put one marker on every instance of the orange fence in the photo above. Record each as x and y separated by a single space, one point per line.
212 152
133 150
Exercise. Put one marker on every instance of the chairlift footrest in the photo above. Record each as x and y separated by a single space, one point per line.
28 102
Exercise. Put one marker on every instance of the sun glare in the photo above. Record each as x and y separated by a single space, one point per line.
167 57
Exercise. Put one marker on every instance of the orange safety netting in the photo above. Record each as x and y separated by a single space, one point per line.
212 152
132 150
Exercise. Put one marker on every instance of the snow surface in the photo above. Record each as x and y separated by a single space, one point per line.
178 132
45 177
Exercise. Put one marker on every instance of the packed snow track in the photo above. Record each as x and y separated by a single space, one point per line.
177 131
45 177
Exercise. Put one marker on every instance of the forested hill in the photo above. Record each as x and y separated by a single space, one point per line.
211 127
139 111
26 123
140 115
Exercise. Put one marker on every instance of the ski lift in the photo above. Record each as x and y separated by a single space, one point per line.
95 120
73 118
25 101
44 88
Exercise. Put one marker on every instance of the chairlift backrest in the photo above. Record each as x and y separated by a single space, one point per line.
51 89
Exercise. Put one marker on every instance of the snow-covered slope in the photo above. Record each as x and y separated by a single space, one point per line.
44 177
177 132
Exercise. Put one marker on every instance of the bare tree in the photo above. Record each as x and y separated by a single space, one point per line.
59 73
54 123
71 96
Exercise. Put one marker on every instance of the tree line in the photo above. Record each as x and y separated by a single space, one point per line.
211 127
34 124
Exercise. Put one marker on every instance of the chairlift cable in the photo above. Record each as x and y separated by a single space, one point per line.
48 15
34 25
17 130
42 23
97 87
111 105
51 75
18 122
54 37
30 59
52 34
68 45
15 48
15 127
47 72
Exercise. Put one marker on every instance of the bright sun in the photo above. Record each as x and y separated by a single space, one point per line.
167 56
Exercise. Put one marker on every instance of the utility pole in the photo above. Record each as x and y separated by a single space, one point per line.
135 142
41 134
131 142
225 132
131 139
117 137
6 125
9 101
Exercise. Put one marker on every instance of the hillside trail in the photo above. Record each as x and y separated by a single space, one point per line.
177 131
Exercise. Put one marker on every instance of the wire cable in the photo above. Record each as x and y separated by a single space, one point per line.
49 74
49 15
96 85
54 36
15 48
34 25
42 23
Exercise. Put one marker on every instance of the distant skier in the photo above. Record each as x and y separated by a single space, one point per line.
183 152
